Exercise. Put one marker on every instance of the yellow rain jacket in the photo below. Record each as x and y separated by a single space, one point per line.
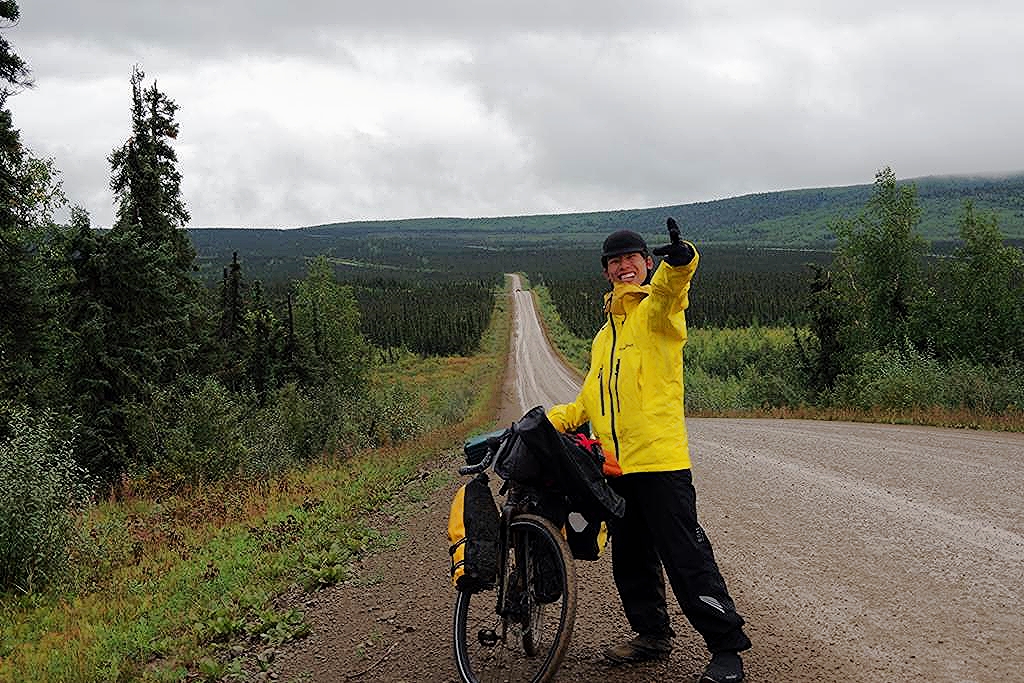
633 392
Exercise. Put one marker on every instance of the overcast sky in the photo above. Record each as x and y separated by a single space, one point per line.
305 112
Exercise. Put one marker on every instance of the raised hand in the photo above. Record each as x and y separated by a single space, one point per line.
676 252
673 230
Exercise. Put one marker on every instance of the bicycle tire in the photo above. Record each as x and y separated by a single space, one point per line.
528 644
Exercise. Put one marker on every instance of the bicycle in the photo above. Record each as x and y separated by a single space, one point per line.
519 629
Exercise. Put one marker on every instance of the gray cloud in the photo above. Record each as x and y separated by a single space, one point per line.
308 112
266 25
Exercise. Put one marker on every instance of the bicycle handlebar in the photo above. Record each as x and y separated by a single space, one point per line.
493 442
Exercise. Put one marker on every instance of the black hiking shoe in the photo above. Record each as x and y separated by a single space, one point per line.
640 649
724 667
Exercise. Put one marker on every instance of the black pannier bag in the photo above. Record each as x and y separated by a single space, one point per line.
538 455
586 539
473 529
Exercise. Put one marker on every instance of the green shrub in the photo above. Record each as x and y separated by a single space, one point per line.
986 389
906 378
302 423
732 352
398 418
896 379
336 420
705 392
41 489
278 435
190 433
452 405
742 369
781 385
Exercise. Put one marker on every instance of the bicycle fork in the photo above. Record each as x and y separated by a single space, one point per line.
511 582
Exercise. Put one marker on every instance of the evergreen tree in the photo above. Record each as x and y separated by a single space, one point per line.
827 355
14 72
131 333
30 193
232 310
227 357
135 310
20 295
145 178
879 260
264 352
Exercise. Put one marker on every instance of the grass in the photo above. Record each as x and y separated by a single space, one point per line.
170 580
1009 421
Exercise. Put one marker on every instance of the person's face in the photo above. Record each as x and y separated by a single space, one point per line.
631 268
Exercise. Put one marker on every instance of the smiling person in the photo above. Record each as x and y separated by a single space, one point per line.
633 399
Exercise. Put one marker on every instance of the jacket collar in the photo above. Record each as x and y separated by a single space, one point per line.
624 297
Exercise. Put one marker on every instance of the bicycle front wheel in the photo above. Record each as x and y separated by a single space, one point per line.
524 638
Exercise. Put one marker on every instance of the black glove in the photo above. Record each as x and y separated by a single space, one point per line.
676 252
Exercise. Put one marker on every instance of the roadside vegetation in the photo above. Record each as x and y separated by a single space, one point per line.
176 454
756 372
166 581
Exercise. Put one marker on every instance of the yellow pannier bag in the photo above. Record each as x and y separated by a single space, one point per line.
473 528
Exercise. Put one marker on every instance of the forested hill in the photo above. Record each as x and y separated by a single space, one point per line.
793 218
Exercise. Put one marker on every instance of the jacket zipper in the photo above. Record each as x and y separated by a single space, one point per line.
600 383
612 363
618 400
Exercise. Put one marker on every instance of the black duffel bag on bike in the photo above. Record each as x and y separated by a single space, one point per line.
539 455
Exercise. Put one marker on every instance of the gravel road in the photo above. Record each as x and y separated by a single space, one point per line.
548 381
856 552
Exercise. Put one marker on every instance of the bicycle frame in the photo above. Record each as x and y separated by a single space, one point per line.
520 615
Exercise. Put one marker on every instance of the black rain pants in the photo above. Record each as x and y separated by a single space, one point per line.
660 529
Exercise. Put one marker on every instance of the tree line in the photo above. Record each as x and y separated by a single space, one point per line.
435 319
734 287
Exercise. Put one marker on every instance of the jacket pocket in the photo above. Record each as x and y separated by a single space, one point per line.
628 385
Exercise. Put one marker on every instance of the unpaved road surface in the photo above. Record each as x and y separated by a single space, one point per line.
856 552
548 381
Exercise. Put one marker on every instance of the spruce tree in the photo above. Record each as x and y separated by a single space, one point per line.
18 294
30 192
135 305
14 72
145 178
232 311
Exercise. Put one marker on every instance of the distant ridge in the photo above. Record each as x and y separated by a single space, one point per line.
789 218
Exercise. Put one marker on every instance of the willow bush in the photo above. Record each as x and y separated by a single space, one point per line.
743 369
905 378
41 490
